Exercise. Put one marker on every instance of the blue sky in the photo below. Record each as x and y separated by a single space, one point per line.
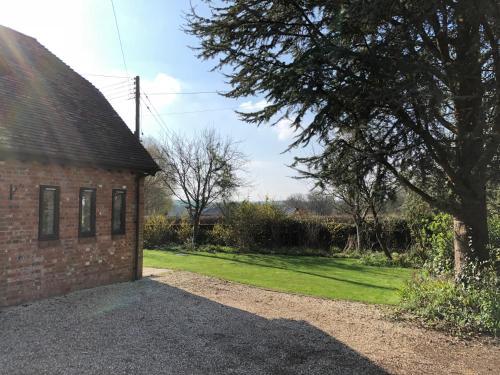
83 34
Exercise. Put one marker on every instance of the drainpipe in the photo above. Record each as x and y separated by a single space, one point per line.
137 226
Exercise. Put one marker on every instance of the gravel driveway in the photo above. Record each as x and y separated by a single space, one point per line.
182 323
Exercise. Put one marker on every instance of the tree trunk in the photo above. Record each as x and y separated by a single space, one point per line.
378 234
196 230
470 234
470 220
358 236
350 244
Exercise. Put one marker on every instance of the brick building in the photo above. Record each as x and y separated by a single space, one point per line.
71 178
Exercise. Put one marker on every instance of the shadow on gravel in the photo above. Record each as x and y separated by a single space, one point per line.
149 327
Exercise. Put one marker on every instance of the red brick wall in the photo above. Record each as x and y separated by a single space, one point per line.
32 269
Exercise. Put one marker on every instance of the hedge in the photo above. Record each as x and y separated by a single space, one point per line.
264 232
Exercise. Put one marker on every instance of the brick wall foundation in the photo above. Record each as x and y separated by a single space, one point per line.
31 269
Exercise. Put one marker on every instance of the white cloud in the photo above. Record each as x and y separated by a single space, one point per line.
251 106
283 129
162 83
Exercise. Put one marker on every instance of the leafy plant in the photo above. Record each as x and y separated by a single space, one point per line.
437 237
472 306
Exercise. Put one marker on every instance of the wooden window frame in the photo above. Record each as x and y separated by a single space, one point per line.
55 236
92 232
123 220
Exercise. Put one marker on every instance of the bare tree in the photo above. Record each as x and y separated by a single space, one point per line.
320 204
200 171
378 187
362 193
298 201
314 203
157 197
349 200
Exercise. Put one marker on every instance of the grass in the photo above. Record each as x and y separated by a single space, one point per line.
333 278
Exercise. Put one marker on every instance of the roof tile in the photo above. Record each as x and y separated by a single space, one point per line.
49 112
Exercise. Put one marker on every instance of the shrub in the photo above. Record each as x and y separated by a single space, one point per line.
254 225
157 231
160 230
375 259
183 231
406 260
494 230
464 308
396 234
221 235
437 237
339 233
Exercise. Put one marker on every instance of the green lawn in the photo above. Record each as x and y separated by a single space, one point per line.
335 278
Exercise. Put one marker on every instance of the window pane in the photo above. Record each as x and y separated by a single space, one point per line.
48 227
86 211
118 212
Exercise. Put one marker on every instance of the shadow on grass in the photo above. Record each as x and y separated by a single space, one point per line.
259 264
323 262
283 260
151 327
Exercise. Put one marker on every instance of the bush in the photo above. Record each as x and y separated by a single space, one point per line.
221 235
464 308
375 259
160 230
254 225
396 234
405 260
437 237
183 231
157 231
494 231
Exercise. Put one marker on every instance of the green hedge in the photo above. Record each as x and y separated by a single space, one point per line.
160 230
272 232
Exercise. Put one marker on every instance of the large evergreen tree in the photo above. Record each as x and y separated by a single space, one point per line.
416 81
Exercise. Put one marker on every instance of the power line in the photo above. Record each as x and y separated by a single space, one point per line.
187 93
119 36
152 114
200 111
117 90
117 87
165 127
127 96
156 116
104 75
117 84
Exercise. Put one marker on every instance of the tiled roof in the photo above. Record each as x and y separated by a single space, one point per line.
50 113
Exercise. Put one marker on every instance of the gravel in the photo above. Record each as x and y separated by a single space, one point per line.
183 323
